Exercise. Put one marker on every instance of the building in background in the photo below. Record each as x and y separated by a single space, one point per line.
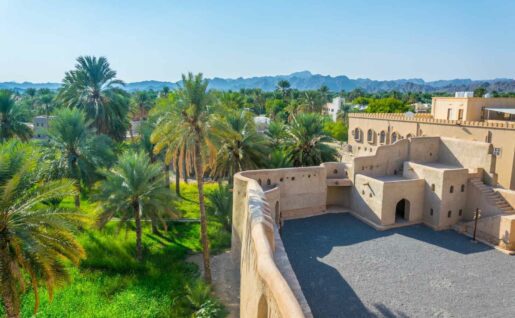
490 120
333 108
40 126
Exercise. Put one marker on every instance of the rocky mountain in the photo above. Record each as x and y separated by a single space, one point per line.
306 80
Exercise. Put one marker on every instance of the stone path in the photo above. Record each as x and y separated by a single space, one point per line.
348 269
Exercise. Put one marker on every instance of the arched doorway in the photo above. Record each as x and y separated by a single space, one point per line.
402 210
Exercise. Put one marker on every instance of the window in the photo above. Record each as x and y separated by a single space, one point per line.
433 187
449 113
488 138
462 188
357 134
451 190
460 213
382 137
460 114
395 136
370 136
431 212
449 214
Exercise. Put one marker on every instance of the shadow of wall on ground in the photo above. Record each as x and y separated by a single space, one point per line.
327 292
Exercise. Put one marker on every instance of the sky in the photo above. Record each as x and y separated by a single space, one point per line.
161 39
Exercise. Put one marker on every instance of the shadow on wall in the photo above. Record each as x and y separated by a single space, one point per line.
327 292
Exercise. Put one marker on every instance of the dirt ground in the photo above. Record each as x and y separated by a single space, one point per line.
226 280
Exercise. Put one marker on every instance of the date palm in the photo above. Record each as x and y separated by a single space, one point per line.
240 146
75 151
93 87
306 141
184 129
134 188
11 119
35 237
283 86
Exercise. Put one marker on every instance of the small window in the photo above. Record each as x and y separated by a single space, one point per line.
382 137
282 179
462 188
449 213
335 171
370 135
433 187
363 192
268 182
394 137
431 211
460 213
357 134
395 172
292 178
370 194
259 181
451 190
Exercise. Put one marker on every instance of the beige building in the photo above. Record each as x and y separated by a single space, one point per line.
430 180
490 120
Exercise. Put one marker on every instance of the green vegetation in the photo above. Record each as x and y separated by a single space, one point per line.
11 118
128 255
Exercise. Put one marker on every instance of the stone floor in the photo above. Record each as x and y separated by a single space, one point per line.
348 269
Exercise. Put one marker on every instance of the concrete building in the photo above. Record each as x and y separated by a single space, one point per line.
334 107
490 120
40 126
406 170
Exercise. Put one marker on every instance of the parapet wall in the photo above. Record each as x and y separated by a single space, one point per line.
431 120
269 287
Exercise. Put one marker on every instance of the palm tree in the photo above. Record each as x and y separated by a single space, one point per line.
35 237
75 151
185 130
240 146
276 133
279 159
134 188
93 87
312 102
283 86
221 205
306 141
11 119
140 103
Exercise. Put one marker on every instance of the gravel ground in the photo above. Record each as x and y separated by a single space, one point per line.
348 269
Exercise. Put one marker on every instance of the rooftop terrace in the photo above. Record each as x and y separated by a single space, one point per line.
348 269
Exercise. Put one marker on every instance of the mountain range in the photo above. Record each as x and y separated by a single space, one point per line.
305 80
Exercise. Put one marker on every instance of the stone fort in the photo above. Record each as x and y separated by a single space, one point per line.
402 169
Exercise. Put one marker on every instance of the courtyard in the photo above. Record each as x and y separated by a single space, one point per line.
348 269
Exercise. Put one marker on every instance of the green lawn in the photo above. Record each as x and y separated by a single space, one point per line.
110 283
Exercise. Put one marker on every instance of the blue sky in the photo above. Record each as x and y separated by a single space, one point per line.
161 39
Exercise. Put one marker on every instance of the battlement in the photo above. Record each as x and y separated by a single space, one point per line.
427 118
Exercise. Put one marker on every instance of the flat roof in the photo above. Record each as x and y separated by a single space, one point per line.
347 269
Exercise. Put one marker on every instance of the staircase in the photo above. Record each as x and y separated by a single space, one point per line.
494 198
491 218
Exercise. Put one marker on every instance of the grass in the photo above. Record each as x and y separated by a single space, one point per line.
111 283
